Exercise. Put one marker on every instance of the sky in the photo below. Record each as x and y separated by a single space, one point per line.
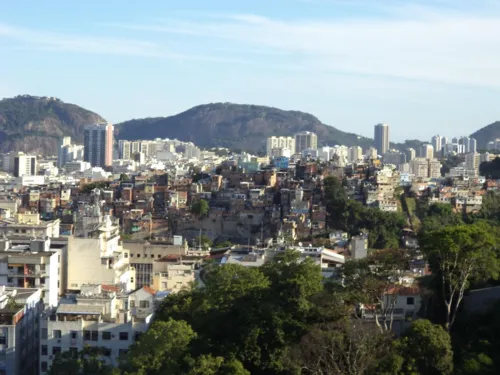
424 67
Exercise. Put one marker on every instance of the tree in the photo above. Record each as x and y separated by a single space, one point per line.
457 254
202 241
89 361
200 208
336 201
160 350
345 347
371 284
426 349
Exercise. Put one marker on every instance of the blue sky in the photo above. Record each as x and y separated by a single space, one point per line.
422 66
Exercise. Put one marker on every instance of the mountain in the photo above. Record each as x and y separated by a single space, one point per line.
487 134
235 126
34 124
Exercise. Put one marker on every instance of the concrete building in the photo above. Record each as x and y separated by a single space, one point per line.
472 161
32 266
410 154
280 143
97 317
98 143
20 310
143 255
29 224
437 144
371 154
426 151
171 276
382 138
24 165
472 145
359 246
305 140
419 167
355 154
434 168
394 157
69 152
125 149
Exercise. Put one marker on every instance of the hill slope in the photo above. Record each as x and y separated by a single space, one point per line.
35 124
235 126
487 134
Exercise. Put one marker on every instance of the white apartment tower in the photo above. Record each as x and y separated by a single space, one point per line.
437 143
305 141
280 143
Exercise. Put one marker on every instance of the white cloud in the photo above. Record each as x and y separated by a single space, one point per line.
421 43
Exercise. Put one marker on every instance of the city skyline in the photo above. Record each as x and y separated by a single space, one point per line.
394 59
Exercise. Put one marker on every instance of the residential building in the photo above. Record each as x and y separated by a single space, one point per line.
125 148
472 145
98 143
305 140
30 224
355 154
359 246
143 255
24 165
472 161
434 168
382 138
32 266
99 316
410 154
279 143
427 151
437 144
170 276
20 310
419 167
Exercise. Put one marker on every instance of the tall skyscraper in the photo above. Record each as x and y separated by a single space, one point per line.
437 144
472 145
98 143
444 141
382 138
304 141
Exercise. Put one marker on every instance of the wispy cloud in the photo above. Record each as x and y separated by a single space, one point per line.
428 43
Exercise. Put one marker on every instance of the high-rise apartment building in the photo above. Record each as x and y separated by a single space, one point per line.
472 161
382 138
280 143
427 151
125 148
437 144
68 152
98 143
472 145
410 154
305 140
355 154
24 165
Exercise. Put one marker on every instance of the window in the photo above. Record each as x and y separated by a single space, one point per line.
131 279
123 336
3 340
131 255
410 300
56 350
122 352
56 333
138 255
74 334
44 333
144 304
159 255
125 255
106 335
95 335
86 335
44 366
106 352
132 303
152 255
45 350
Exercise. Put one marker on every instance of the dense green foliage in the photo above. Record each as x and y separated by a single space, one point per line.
384 228
200 208
490 169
